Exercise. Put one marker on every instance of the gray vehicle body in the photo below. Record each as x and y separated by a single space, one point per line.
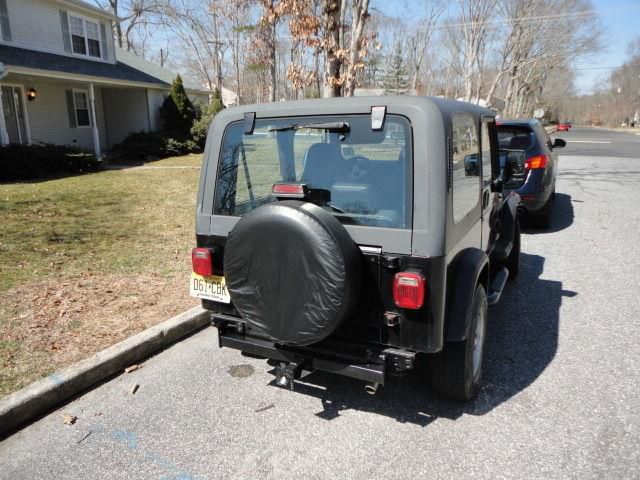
454 256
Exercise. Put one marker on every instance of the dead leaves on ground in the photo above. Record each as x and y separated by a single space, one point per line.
58 322
69 419
132 368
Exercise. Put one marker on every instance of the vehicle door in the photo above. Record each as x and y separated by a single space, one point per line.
488 171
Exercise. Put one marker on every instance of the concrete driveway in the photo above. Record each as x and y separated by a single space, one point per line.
561 396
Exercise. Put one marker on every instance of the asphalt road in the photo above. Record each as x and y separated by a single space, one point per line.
599 142
561 397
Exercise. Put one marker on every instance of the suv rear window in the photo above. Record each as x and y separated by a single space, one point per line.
367 172
514 137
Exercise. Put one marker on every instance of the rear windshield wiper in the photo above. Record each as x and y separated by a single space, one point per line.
331 126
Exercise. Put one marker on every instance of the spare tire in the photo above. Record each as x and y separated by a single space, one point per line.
293 271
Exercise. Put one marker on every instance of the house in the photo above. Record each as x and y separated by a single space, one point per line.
65 82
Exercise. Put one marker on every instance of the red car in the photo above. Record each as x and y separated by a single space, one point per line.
564 126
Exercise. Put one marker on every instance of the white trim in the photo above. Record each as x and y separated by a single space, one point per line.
98 80
86 36
4 134
27 128
25 117
88 8
92 113
83 78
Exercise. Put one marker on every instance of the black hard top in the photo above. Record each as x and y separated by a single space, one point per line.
531 122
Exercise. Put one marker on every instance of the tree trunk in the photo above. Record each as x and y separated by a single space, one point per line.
359 18
492 88
272 64
331 17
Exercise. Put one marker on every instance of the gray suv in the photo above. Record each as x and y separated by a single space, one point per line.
355 236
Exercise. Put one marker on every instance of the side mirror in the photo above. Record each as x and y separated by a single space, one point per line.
558 143
471 165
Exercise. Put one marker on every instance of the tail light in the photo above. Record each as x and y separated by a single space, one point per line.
408 290
202 261
538 161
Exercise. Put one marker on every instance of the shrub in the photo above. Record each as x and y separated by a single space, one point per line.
177 111
201 126
31 162
145 146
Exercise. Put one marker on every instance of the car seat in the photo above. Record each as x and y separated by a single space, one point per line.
322 165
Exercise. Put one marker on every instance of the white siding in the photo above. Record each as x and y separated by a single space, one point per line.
35 24
201 98
155 99
125 112
49 118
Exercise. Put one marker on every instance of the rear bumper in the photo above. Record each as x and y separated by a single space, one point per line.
533 195
531 203
369 363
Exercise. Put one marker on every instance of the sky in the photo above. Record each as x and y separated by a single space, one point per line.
620 21
621 24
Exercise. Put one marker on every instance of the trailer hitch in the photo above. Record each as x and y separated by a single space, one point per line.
287 372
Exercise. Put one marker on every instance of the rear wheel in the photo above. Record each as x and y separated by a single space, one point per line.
456 371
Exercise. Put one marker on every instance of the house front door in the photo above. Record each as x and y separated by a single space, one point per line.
13 114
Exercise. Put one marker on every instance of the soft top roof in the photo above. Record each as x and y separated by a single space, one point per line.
351 105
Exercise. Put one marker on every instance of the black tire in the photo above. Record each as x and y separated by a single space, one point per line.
452 370
292 271
542 218
513 260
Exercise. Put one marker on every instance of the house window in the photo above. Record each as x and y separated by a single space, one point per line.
5 28
81 107
85 37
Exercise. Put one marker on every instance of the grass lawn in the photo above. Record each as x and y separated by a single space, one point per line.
87 261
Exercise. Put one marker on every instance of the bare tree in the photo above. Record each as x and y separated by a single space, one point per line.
235 30
199 28
475 17
419 42
358 45
266 40
137 17
534 45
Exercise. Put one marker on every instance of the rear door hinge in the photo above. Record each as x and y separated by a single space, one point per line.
390 261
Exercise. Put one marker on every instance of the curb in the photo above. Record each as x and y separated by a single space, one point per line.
43 395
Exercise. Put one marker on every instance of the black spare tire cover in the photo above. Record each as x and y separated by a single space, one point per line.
293 271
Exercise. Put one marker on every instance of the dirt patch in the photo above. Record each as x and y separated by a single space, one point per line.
45 326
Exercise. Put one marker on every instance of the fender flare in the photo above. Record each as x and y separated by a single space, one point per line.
469 267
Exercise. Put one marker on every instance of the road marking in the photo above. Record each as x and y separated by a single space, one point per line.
588 141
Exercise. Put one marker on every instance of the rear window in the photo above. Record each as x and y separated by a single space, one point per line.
514 138
366 172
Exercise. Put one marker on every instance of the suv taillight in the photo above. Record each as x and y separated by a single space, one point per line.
408 290
202 261
538 161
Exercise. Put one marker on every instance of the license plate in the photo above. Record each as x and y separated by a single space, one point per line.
212 287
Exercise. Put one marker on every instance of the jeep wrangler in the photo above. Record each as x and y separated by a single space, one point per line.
352 235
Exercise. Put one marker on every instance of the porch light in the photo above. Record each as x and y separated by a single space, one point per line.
32 93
